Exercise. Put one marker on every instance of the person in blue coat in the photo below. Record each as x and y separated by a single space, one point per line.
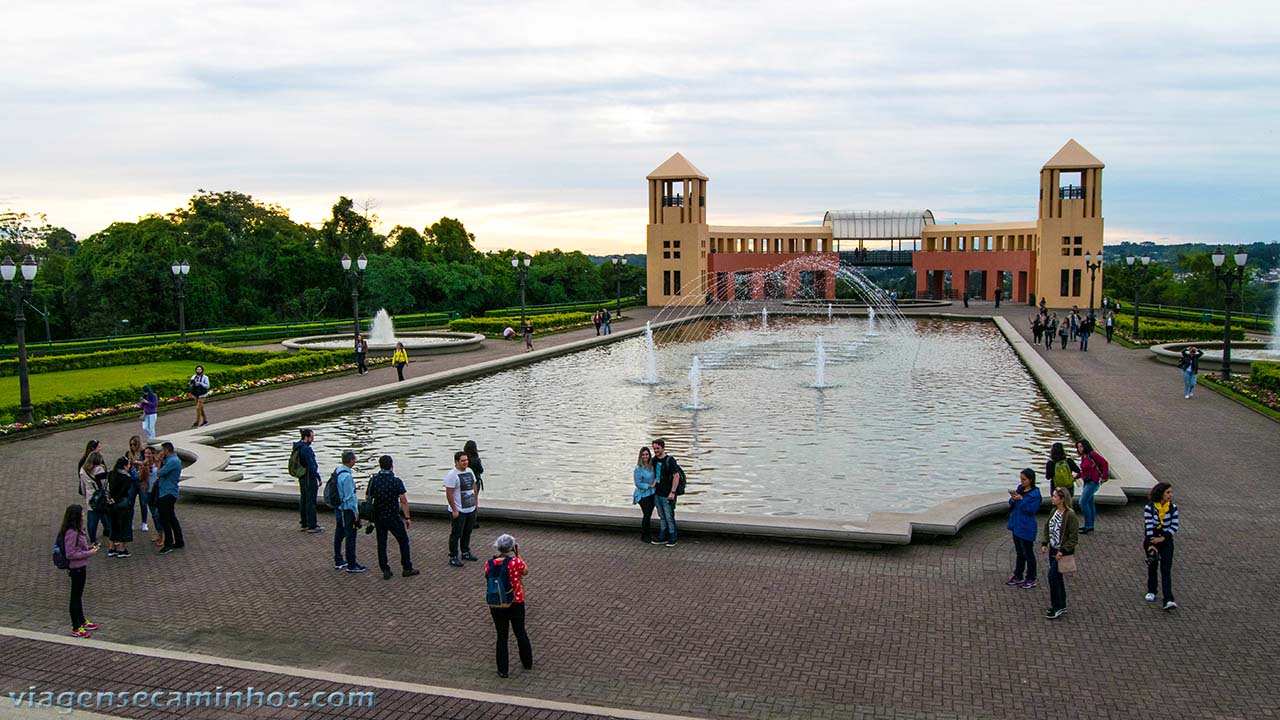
645 481
1024 503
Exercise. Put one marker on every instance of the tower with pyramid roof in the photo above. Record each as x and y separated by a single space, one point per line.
1069 227
677 233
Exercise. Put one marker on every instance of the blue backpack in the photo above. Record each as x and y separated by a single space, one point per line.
497 578
60 560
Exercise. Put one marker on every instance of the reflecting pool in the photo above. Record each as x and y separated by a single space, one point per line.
906 417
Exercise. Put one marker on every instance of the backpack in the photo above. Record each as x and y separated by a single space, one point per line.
297 468
60 559
1104 469
1062 477
331 496
497 580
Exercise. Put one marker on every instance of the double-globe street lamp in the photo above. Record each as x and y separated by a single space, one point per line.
21 290
361 263
180 270
522 267
1092 263
1143 266
619 264
1229 277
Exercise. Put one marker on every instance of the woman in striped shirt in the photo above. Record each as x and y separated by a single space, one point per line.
1160 522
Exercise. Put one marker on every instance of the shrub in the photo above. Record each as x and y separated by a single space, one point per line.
1265 375
589 307
495 325
1156 331
196 352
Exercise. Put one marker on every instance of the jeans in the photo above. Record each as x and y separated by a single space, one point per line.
156 520
1026 561
94 517
513 616
307 501
1048 340
172 529
1110 329
396 528
1084 341
460 534
78 577
1057 588
400 371
135 492
1063 336
1164 565
646 506
1188 382
666 518
149 425
1087 505
344 528
608 328
360 366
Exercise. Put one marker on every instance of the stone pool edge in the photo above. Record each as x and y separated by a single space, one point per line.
206 478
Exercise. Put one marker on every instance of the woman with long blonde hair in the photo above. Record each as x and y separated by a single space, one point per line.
1061 535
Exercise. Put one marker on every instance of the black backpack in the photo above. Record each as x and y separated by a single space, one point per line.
331 496
60 560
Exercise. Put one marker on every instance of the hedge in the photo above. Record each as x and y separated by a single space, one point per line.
196 352
1216 317
280 365
495 325
1265 375
590 307
1154 332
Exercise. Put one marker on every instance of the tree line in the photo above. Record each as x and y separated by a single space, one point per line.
252 264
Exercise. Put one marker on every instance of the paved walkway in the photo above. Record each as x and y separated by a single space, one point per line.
714 627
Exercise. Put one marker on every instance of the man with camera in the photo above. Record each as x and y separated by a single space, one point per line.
346 516
198 386
390 515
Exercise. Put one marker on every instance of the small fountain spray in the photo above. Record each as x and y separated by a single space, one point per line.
764 318
871 318
820 376
695 383
829 316
652 364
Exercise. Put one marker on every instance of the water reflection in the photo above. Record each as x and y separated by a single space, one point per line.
913 418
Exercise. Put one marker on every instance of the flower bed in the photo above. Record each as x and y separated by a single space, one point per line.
1244 385
67 418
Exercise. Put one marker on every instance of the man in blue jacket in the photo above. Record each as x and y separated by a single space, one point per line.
308 481
346 515
167 480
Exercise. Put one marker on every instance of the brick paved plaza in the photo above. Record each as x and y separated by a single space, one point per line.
715 627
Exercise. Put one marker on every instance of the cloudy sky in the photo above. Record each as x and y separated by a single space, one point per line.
535 123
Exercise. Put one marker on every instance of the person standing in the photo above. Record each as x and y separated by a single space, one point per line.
508 613
460 495
1160 524
136 490
597 319
477 468
1190 364
1024 503
670 477
198 387
93 477
1061 534
304 462
1093 471
1109 322
168 477
148 403
997 297
645 482
119 484
346 515
78 550
1061 471
362 354
390 515
400 358
148 474
607 319
528 336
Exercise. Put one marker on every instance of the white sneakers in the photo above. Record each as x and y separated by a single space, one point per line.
1171 605
1150 597
145 528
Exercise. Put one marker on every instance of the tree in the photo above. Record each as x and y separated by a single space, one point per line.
407 243
448 241
349 232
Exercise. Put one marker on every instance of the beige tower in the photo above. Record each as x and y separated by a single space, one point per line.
677 233
1069 226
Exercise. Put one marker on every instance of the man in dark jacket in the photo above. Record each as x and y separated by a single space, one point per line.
308 482
670 477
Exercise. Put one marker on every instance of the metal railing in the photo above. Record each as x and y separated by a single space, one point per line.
1071 192
673 200
876 257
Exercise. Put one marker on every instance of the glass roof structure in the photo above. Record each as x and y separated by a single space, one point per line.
877 224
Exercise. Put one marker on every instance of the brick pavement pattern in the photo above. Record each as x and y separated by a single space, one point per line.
732 628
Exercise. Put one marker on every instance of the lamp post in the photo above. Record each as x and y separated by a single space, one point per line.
618 265
1229 278
180 270
1146 261
1092 265
21 290
522 267
354 275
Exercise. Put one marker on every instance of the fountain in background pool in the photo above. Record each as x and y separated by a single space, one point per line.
382 338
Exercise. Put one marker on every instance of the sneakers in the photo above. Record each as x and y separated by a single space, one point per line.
1086 531
1149 597
111 553
316 529
124 554
81 633
90 626
1171 605
356 569
339 565
145 528
1055 614
469 557
1028 585
1013 580
657 542
165 551
671 543
411 572
386 574
455 562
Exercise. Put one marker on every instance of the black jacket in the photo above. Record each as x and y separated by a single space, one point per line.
666 475
1192 360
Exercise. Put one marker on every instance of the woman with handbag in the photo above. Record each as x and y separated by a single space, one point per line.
1160 522
93 475
136 497
1061 534
198 385
119 484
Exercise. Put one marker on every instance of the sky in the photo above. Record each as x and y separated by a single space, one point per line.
536 123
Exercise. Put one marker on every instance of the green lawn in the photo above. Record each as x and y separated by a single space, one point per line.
73 382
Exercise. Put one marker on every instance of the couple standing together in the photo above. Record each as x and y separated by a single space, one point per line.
659 480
